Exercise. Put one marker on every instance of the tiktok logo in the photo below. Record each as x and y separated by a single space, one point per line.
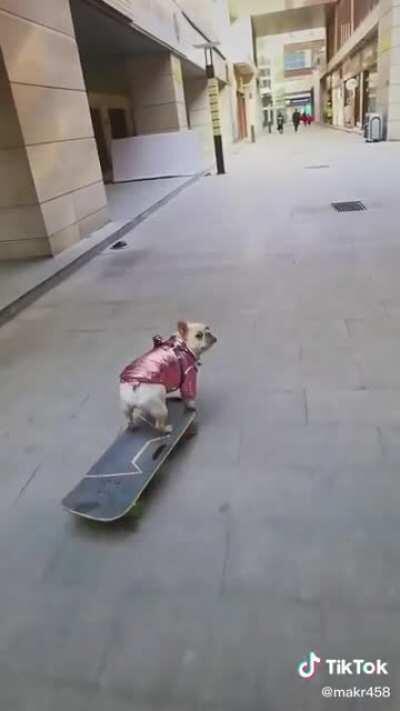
308 668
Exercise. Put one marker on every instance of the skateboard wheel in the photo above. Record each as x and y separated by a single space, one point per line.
191 431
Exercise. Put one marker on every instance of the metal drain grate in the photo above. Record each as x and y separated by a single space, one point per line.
355 206
316 167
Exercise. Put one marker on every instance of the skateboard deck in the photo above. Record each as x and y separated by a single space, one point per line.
114 484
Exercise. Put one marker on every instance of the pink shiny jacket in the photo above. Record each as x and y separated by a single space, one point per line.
170 363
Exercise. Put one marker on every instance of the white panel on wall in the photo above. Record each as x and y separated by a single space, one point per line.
159 155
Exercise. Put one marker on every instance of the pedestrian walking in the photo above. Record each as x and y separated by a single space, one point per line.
304 119
296 119
269 119
280 121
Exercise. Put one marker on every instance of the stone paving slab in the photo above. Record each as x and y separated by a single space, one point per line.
275 530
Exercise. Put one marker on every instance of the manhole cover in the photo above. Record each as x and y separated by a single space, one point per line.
355 206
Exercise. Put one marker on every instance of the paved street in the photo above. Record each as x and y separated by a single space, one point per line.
275 531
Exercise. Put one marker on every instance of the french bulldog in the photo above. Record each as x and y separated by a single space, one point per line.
171 365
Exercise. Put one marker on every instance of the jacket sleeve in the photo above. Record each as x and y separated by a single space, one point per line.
189 385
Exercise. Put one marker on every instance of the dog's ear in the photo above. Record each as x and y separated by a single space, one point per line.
183 328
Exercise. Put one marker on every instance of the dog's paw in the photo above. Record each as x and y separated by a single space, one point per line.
191 405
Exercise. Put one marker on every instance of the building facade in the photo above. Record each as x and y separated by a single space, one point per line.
363 71
77 75
289 72
362 74
350 84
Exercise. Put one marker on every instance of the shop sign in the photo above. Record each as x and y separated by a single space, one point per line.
352 84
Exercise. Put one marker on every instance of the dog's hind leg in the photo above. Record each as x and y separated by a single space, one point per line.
159 411
161 421
134 418
128 406
152 402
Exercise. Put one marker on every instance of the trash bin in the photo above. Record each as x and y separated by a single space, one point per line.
373 130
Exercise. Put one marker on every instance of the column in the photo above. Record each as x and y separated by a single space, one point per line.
198 105
352 17
157 95
317 95
389 67
250 94
51 187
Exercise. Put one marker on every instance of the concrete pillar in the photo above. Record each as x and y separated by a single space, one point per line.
157 95
352 16
225 105
51 188
389 66
251 107
317 95
198 106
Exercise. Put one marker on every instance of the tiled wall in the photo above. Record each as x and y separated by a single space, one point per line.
59 192
389 66
166 20
156 87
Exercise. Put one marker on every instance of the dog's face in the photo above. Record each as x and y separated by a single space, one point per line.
197 336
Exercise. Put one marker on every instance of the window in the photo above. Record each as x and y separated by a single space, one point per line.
300 59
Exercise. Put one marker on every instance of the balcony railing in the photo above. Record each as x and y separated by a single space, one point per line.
341 24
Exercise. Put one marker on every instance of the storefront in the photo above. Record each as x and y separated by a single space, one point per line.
351 74
326 100
302 101
245 77
369 62
351 90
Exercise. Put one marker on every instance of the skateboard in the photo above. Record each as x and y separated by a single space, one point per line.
113 485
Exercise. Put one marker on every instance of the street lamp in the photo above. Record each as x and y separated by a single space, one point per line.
213 93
